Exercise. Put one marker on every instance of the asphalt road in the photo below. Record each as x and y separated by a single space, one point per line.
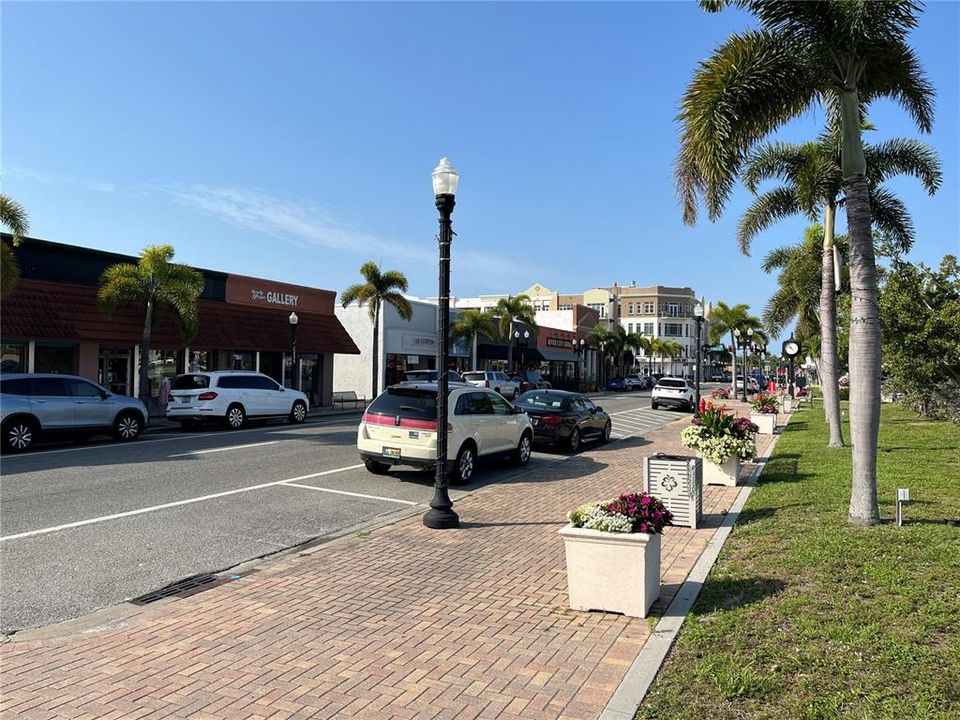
84 527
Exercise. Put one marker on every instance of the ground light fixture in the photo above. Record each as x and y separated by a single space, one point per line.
441 516
698 318
295 376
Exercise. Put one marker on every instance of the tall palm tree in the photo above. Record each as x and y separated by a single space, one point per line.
724 319
470 325
842 54
379 288
635 342
511 309
813 185
157 285
599 337
616 344
14 218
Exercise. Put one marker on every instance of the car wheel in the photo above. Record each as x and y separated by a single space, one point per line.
235 417
654 406
463 468
573 442
19 435
377 468
299 412
127 426
521 456
607 430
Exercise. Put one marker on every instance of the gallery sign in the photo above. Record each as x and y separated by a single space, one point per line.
281 296
418 344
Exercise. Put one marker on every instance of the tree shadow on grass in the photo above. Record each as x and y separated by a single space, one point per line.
757 514
732 593
782 468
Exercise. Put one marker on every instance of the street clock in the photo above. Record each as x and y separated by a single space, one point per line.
791 348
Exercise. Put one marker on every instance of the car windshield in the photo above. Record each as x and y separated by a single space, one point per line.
672 383
407 403
540 399
474 376
190 382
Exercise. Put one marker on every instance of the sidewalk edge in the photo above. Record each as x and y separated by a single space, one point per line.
638 679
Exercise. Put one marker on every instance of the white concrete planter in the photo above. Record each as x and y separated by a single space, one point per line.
789 404
677 481
767 422
726 474
614 572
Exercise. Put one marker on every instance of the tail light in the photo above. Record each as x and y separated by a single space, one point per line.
551 420
393 421
207 396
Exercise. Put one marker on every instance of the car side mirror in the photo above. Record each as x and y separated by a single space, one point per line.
104 394
599 409
593 411
282 389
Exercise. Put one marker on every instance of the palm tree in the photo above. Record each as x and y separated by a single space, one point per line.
844 55
157 285
14 218
813 184
635 342
378 288
511 309
724 319
470 325
599 336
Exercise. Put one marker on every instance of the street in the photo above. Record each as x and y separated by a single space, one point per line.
92 525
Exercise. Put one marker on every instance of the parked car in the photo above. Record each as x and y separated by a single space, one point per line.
35 405
432 376
400 428
564 418
233 396
617 385
752 385
497 381
634 382
531 380
672 392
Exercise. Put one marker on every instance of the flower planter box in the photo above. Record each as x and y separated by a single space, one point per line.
727 474
767 422
613 572
789 404
677 481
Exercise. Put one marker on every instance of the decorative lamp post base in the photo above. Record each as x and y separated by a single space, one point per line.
441 516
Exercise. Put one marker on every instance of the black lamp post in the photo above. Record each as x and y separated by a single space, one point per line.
521 340
295 376
578 351
441 516
698 318
744 340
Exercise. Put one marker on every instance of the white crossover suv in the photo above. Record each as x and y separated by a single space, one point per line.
232 396
672 392
400 428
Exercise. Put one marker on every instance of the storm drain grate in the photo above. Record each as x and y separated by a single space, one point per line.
184 588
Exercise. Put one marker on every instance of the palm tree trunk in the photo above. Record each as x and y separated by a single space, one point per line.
475 351
864 355
145 355
733 365
376 349
828 332
510 367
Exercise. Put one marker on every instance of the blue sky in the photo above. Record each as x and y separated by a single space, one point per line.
294 141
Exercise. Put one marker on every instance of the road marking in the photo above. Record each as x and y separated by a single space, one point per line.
223 449
189 501
351 494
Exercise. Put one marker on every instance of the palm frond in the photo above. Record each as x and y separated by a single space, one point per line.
895 71
399 303
14 217
121 283
891 216
394 280
9 269
766 209
904 156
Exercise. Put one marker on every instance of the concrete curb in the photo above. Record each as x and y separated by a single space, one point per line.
636 683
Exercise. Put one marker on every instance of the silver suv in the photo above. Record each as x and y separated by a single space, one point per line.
672 392
38 404
497 381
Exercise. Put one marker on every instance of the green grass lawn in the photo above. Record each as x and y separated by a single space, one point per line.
804 616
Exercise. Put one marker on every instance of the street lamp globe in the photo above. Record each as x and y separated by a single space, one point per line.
445 178
736 332
526 334
698 311
294 319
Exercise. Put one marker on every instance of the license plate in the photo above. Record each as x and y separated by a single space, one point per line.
391 452
414 435
183 399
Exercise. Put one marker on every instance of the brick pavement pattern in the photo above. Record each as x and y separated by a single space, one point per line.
403 623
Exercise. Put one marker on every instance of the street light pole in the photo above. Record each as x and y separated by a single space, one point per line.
578 351
295 380
698 317
441 516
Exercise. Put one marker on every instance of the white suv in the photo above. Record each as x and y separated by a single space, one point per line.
232 396
672 392
400 428
497 381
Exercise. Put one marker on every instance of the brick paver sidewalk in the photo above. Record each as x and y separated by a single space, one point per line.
402 623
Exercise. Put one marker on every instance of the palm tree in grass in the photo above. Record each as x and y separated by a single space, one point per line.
157 285
510 310
844 55
470 325
813 185
376 289
14 218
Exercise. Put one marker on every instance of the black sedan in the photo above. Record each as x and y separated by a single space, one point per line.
564 418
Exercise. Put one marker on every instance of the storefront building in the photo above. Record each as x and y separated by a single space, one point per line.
51 322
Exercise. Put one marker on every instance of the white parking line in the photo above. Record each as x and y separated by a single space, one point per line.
189 501
351 494
223 449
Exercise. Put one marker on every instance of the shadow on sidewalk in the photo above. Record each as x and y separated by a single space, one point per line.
725 594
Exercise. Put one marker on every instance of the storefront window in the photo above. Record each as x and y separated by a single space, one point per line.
13 357
397 365
234 360
164 366
199 361
271 363
54 358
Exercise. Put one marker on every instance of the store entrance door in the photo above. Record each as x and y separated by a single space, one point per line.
114 370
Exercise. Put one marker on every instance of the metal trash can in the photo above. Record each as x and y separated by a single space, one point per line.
677 480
